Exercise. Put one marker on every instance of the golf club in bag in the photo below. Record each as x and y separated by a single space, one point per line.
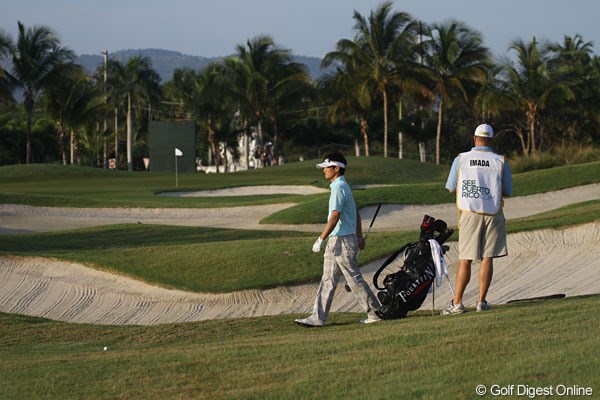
406 289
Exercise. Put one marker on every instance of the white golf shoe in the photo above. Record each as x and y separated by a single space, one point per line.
454 309
310 322
482 306
371 319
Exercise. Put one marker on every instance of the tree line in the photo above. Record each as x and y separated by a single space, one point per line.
429 84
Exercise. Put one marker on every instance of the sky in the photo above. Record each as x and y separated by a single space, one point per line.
213 28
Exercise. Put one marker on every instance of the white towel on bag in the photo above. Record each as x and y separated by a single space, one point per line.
437 256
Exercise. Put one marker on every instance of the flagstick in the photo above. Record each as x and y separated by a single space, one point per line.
176 174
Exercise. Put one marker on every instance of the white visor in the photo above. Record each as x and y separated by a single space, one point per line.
330 163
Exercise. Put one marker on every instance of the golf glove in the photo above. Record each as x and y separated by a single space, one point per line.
317 246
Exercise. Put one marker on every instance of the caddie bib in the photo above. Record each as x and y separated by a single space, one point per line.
479 186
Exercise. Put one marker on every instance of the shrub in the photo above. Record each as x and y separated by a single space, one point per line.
558 156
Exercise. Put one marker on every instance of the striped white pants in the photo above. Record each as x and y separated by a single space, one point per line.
341 258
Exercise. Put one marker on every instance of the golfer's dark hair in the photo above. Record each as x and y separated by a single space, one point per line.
337 156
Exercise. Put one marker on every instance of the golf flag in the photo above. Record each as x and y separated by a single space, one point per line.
178 153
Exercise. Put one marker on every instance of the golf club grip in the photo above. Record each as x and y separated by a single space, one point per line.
372 221
375 216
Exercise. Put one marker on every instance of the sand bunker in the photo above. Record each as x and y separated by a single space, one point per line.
15 218
249 191
540 263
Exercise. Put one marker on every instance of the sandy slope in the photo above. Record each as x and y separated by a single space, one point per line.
540 263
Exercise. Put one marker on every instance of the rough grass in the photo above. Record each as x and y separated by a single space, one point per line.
538 344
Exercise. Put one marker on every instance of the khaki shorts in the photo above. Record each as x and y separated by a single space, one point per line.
481 236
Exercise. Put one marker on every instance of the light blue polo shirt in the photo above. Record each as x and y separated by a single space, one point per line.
452 180
341 200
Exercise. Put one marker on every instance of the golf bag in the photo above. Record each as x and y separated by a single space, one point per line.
406 289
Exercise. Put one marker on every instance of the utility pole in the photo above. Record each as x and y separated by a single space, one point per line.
105 53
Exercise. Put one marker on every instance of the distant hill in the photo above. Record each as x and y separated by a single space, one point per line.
166 61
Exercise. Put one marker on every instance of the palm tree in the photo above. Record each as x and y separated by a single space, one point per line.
381 41
6 48
207 96
573 50
135 81
38 61
456 58
182 90
528 86
116 100
256 75
345 86
573 62
73 102
291 87
213 105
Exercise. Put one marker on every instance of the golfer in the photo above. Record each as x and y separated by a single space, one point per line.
480 179
344 231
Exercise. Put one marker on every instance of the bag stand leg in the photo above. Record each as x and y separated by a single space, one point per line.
433 299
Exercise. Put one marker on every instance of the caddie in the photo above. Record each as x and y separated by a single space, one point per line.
480 178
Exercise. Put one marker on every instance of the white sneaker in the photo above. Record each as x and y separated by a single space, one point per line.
310 322
482 306
454 309
371 319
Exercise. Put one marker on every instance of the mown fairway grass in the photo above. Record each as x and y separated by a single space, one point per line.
421 357
57 185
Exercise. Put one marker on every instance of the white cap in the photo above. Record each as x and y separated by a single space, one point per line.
484 130
330 163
